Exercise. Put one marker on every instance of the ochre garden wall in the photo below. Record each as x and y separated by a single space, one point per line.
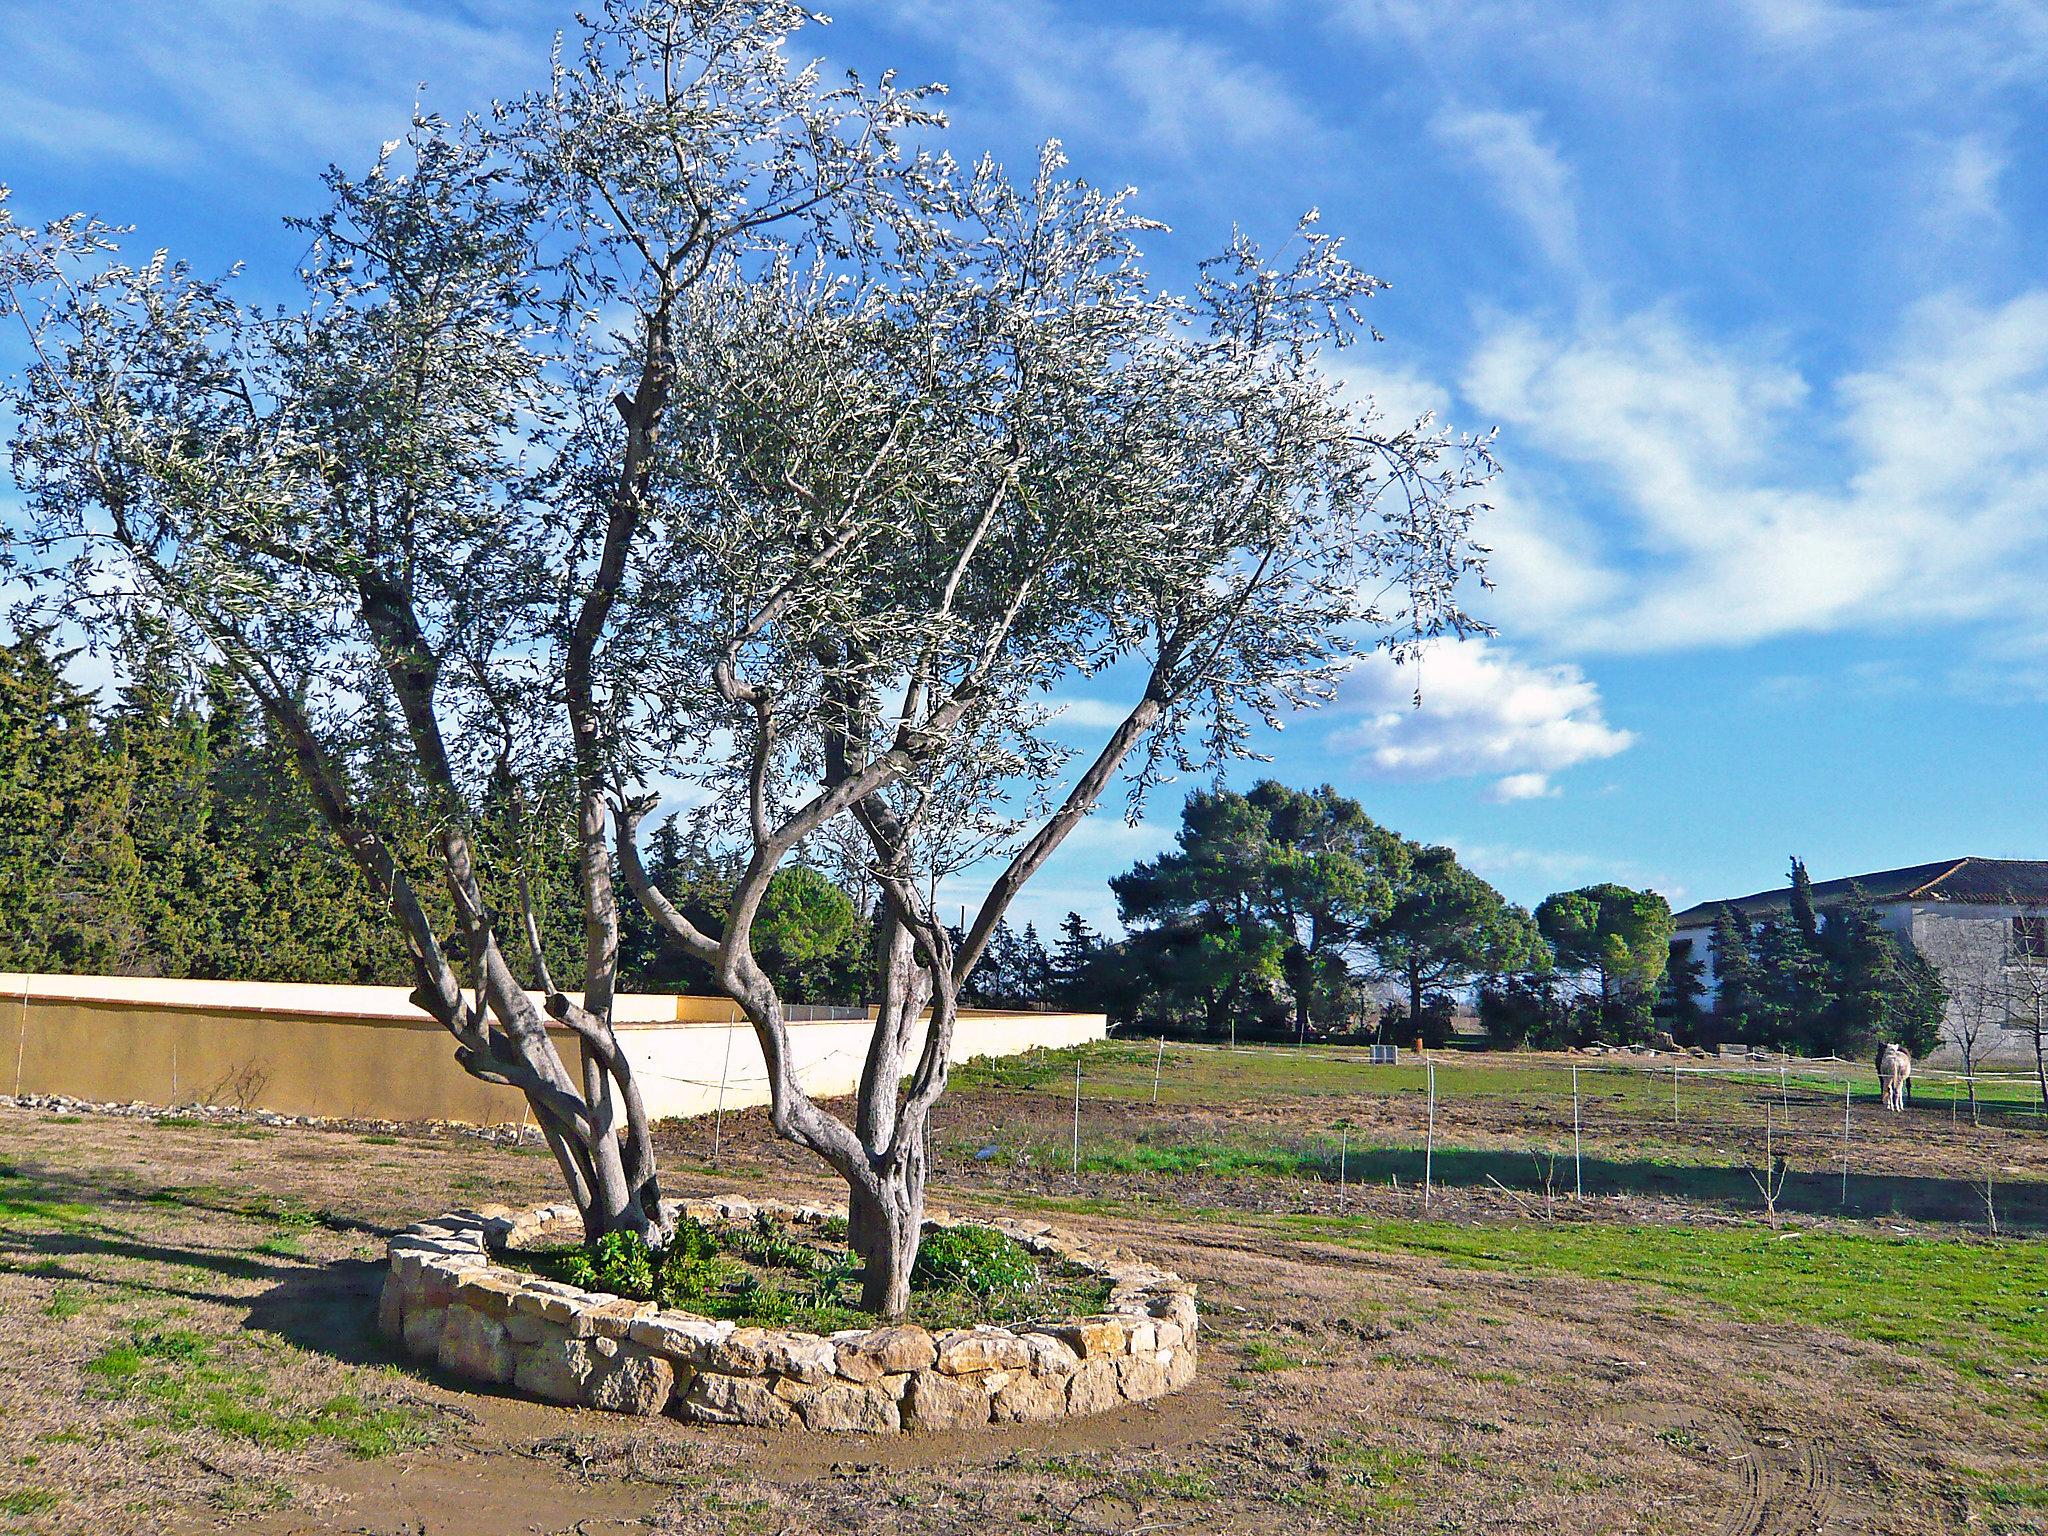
367 1052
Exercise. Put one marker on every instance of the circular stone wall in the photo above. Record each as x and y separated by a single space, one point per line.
448 1301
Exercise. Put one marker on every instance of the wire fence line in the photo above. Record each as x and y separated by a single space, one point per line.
1800 1116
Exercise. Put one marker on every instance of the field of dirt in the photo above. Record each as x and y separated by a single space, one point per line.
185 1345
1496 1155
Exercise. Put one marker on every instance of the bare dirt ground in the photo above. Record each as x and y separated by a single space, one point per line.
1342 1388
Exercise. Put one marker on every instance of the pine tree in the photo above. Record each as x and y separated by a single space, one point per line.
67 900
1074 961
1804 918
1734 976
1034 968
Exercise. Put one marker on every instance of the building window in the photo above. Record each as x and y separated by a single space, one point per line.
2030 938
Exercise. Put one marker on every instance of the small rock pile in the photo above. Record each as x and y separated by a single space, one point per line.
228 1114
450 1302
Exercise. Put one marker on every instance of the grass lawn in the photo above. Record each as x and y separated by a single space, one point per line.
1980 1307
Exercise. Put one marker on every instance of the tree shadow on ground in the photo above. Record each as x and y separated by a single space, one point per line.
2021 1205
330 1309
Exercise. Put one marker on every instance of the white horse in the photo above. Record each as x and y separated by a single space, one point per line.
1895 1068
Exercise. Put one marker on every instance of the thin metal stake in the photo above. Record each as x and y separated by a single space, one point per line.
1578 1174
1077 1114
1674 1098
1158 1060
1784 1103
1343 1158
1845 1144
718 1120
1429 1147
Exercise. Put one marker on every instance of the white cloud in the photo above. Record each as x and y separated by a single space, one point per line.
1089 714
276 81
1529 176
1483 711
1523 786
1965 188
1171 92
1744 504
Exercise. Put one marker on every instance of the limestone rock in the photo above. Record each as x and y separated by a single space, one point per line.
936 1402
530 1328
552 1369
1141 1377
866 1356
1179 1364
629 1380
714 1398
391 1309
966 1351
1177 1307
474 1344
423 1331
1049 1357
611 1319
1093 1388
842 1409
1029 1399
486 1291
1093 1338
692 1340
595 1373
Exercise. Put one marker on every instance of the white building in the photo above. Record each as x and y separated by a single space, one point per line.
1982 923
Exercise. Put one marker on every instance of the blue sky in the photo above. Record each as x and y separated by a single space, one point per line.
1746 290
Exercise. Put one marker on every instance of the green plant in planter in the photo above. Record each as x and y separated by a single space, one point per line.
687 1266
978 1260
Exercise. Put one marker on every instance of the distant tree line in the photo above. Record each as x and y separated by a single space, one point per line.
164 833
168 834
1285 913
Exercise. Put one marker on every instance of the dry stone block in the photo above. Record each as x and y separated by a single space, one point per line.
1093 1338
1049 1357
1141 1378
391 1309
423 1331
627 1380
596 1373
1093 1388
966 1351
1029 1399
474 1344
692 1340
877 1352
1178 1307
611 1319
714 1398
551 1369
530 1328
1179 1364
488 1291
936 1402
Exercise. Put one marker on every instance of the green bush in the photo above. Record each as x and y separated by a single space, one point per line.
978 1260
622 1264
687 1265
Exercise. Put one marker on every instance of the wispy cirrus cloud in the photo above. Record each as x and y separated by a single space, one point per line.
1527 174
1744 502
1165 89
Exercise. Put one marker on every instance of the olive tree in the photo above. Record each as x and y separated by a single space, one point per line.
402 511
678 423
913 501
